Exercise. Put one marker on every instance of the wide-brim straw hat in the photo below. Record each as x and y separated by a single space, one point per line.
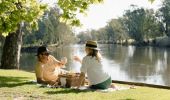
92 45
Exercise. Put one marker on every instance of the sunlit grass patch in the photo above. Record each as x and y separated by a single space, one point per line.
15 84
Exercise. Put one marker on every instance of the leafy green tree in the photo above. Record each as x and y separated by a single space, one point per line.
94 35
142 24
152 25
115 30
134 22
50 31
164 14
84 36
13 13
102 35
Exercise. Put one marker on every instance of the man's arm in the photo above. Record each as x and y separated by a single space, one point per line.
57 62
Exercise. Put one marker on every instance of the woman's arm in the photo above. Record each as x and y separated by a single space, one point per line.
77 58
81 79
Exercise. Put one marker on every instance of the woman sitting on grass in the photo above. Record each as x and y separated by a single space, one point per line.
47 67
92 65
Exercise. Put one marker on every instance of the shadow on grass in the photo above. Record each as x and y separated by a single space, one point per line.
13 81
66 91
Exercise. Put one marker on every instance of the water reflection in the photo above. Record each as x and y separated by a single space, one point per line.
143 64
127 63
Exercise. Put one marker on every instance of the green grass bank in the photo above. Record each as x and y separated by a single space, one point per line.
16 85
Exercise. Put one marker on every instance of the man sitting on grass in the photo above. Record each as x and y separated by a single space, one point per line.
47 67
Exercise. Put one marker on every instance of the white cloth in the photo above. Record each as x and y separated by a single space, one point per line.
94 69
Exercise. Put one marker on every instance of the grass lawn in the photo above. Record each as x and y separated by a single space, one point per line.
16 85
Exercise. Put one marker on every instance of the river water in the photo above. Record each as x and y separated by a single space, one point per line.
125 63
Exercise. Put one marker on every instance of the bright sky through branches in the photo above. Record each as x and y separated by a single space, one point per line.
98 15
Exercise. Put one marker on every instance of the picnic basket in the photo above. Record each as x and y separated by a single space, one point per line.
72 79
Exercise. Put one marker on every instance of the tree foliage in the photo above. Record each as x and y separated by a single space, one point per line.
14 12
70 9
50 30
115 30
141 23
164 14
151 1
134 22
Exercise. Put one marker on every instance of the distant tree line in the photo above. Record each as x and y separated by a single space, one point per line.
50 30
137 24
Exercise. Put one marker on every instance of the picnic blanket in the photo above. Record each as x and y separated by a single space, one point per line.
107 90
86 87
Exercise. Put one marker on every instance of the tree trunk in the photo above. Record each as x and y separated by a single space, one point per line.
167 29
11 50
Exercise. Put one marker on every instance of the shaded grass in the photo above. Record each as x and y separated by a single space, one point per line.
15 84
12 81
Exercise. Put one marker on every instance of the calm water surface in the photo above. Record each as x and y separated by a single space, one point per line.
125 63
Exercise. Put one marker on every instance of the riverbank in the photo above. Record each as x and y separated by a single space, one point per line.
16 84
157 42
33 48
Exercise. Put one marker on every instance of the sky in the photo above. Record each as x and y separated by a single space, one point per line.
98 15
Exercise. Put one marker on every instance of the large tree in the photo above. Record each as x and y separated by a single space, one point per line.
164 14
13 15
134 22
141 24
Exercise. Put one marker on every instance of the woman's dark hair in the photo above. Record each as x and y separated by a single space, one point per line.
94 53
